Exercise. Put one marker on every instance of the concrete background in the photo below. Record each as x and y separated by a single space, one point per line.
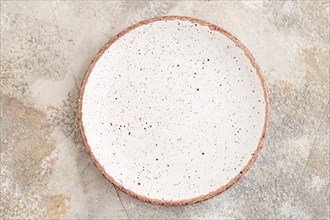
46 47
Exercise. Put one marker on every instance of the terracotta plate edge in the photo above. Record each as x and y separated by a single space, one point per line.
210 194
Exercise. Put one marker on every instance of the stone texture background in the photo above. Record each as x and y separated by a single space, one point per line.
46 47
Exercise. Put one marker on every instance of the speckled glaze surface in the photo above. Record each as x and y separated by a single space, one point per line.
173 110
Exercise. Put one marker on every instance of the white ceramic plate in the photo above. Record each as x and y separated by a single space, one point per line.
173 110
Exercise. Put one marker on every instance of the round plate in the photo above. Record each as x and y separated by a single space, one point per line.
173 110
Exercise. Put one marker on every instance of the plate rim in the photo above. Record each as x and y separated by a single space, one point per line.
201 197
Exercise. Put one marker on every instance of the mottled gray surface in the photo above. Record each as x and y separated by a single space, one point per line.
46 47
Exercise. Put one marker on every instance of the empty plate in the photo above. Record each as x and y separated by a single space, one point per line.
173 110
